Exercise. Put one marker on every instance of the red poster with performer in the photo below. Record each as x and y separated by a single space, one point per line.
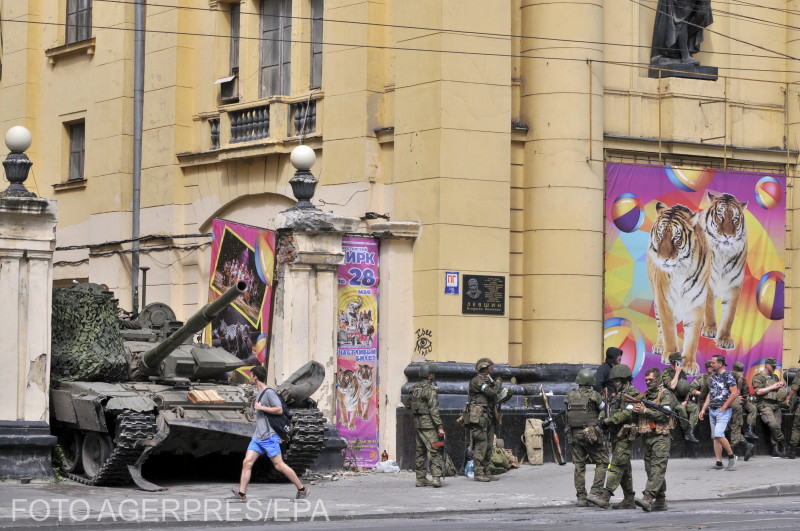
247 254
357 352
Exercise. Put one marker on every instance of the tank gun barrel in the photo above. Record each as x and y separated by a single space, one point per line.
151 360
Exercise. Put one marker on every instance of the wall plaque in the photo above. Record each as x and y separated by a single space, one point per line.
484 295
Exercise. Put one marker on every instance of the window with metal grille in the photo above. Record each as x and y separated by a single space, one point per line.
79 20
317 7
276 47
77 150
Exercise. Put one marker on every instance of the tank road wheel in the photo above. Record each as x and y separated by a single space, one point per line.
70 442
95 451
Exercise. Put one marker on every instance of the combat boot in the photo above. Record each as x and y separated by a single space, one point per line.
646 502
626 503
749 433
424 482
437 482
582 502
749 449
660 504
689 434
601 500
789 451
776 451
483 479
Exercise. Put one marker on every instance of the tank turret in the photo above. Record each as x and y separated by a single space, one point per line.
196 361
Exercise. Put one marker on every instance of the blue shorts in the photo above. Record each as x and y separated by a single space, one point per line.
719 421
270 446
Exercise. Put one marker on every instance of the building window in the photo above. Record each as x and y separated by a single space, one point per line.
79 20
235 32
77 150
276 49
316 43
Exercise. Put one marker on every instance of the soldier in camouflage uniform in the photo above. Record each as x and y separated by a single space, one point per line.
698 389
674 379
767 385
654 427
483 417
622 431
737 416
584 405
424 404
749 411
795 439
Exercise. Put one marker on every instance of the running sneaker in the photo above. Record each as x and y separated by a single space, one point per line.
302 494
732 462
235 496
716 467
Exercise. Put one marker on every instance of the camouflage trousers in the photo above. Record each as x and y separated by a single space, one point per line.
619 470
482 443
751 412
656 457
690 411
425 440
770 413
795 440
735 425
582 453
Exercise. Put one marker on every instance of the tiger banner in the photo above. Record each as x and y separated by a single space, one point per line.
241 253
357 351
694 263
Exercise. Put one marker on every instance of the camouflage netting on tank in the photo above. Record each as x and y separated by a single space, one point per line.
87 345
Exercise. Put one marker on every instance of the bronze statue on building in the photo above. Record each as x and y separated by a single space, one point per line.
678 31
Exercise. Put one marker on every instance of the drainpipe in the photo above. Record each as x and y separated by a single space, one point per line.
138 105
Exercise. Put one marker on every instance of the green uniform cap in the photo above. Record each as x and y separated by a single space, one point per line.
675 356
708 364
738 366
771 361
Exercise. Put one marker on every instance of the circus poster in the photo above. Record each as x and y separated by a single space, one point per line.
357 351
241 253
700 252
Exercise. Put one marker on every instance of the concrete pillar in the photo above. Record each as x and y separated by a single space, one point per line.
563 183
395 322
27 243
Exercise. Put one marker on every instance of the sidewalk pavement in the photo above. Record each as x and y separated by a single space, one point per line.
370 495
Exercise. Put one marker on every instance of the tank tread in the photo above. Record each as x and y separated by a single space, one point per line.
131 426
305 444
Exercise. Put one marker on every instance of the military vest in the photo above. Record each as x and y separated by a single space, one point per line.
762 380
581 410
647 425
418 399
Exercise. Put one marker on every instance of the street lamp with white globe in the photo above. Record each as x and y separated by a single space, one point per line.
17 164
303 182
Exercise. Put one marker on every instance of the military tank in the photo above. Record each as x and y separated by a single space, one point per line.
123 393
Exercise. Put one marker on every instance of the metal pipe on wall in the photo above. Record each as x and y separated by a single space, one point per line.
138 106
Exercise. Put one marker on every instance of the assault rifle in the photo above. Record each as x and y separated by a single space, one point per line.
550 424
606 438
652 405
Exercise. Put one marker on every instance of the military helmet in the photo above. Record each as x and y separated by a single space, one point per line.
483 363
585 377
675 356
738 366
426 369
621 371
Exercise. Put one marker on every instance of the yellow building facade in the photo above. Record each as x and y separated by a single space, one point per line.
488 122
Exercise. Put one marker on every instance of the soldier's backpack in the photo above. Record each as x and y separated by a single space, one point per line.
533 438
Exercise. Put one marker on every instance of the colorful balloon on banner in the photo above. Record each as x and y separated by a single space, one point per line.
690 180
623 334
768 193
627 212
769 295
265 259
261 347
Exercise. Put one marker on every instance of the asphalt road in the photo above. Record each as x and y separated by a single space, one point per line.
724 515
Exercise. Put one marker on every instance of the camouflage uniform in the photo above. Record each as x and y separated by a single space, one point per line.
768 407
681 392
424 404
483 395
583 408
654 427
622 431
795 439
749 411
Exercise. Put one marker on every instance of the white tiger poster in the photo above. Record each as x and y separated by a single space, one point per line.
694 263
